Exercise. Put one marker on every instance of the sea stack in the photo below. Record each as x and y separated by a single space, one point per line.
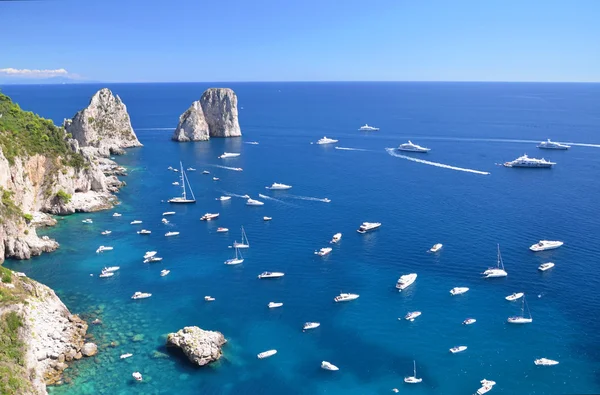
200 346
104 124
214 115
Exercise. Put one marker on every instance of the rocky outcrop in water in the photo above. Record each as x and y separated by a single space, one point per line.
192 125
200 346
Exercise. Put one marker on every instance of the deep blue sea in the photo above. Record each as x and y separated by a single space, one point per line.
468 126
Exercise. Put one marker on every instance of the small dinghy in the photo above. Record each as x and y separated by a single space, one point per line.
137 376
266 354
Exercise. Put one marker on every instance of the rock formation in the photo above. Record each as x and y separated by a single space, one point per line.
214 115
200 346
104 124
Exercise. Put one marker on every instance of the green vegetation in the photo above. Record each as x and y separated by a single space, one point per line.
8 208
13 375
6 276
28 217
63 197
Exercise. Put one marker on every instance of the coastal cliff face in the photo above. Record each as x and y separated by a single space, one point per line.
214 115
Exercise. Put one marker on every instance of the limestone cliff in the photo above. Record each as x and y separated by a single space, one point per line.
192 125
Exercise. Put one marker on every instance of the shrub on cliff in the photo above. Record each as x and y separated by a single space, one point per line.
63 197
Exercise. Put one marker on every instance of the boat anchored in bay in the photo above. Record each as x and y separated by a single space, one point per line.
184 196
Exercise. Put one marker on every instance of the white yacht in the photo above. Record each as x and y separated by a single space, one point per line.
141 295
323 251
266 354
135 222
149 254
106 274
103 248
525 161
209 298
137 376
311 325
190 169
345 297
88 221
164 272
222 230
224 198
413 379
326 140
244 243
405 281
328 366
521 319
267 218
411 315
116 215
411 147
514 296
176 183
457 349
215 178
169 234
184 198
235 260
544 245
209 217
469 321
168 213
253 202
367 128
229 155
326 200
111 269
552 145
546 266
497 271
206 172
545 362
274 305
486 386
458 290
271 275
279 187
336 238
106 232
125 356
436 247
368 226
143 232
152 259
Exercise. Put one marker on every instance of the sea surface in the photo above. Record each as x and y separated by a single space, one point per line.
459 197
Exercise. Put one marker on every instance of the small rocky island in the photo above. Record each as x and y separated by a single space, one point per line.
214 115
200 346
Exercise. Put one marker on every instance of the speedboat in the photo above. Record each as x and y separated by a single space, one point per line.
168 213
135 222
486 386
279 187
169 234
229 155
222 230
412 315
190 169
252 142
469 321
274 305
405 280
525 161
545 362
215 178
326 200
116 215
514 296
497 271
267 218
336 238
141 295
253 202
143 232
456 349
235 260
106 232
224 198
103 248
149 254
552 145
137 376
164 272
206 172
436 247
521 319
164 221
175 183
271 275
367 128
368 226
546 266
323 251
237 169
544 245
111 269
311 325
458 290
345 297
209 298
125 356
152 259
410 147
413 379
106 274
170 168
209 217
326 140
328 366
266 354
88 221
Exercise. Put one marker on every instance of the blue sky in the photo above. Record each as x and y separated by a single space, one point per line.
307 40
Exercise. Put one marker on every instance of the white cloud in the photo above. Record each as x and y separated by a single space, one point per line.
33 73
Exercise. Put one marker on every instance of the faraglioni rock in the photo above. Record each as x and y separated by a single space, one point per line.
214 115
104 124
200 346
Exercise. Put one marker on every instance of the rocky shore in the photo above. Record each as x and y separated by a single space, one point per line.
200 346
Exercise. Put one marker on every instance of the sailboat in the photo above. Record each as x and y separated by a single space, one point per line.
521 319
184 198
244 243
497 271
413 379
237 260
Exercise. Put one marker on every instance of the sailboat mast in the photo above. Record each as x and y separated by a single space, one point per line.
414 368
182 180
189 186
500 263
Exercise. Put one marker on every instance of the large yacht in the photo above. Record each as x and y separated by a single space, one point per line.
229 155
552 145
544 245
411 147
278 186
368 226
525 161
405 280
367 128
253 202
326 140
345 297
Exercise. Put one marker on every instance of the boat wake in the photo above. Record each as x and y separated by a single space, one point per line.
228 168
392 152
266 197
507 141
234 195
312 199
350 149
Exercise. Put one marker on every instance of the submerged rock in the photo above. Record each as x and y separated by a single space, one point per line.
89 349
200 346
192 125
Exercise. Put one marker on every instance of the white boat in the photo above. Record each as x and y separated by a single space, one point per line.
224 198
253 202
143 232
458 290
345 297
546 266
410 147
169 234
274 305
209 217
457 349
125 356
486 386
267 218
229 155
106 232
328 366
237 169
170 168
152 259
164 272
111 269
469 321
116 215
279 187
137 376
222 230
236 260
175 183
184 198
368 226
244 243
521 319
215 178
87 221
532 163
326 200
135 222
326 140
141 295
103 248
106 274
206 172
514 296
190 169
544 245
413 379
149 254
310 325
436 247
405 280
545 362
336 238
209 298
164 221
498 271
168 213
176 171
367 128
252 142
266 354
323 251
412 315
271 275
553 145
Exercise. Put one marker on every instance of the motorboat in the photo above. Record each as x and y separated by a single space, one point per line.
125 356
224 198
141 295
236 260
117 215
246 196
336 238
271 275
521 319
209 298
143 232
252 142
137 376
412 315
209 217
106 232
253 202
326 140
267 218
176 170
149 254
546 266
274 305
216 178
413 379
88 221
190 169
545 362
111 269
279 187
222 230
244 243
514 296
135 222
326 200
169 234
168 213
405 281
152 259
345 297
411 147
544 245
323 251
458 290
226 155
553 145
311 325
532 163
486 386
458 349
170 168
237 169
367 128
164 221
368 226
176 183
206 172
498 271
184 198
106 274
469 321
164 272
266 354
328 366
436 247
103 248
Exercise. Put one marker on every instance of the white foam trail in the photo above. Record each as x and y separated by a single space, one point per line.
350 149
234 194
584 145
228 168
154 128
507 141
436 164
312 199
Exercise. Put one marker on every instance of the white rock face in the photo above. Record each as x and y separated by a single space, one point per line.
192 125
200 346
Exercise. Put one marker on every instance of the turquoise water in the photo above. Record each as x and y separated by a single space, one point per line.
470 126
